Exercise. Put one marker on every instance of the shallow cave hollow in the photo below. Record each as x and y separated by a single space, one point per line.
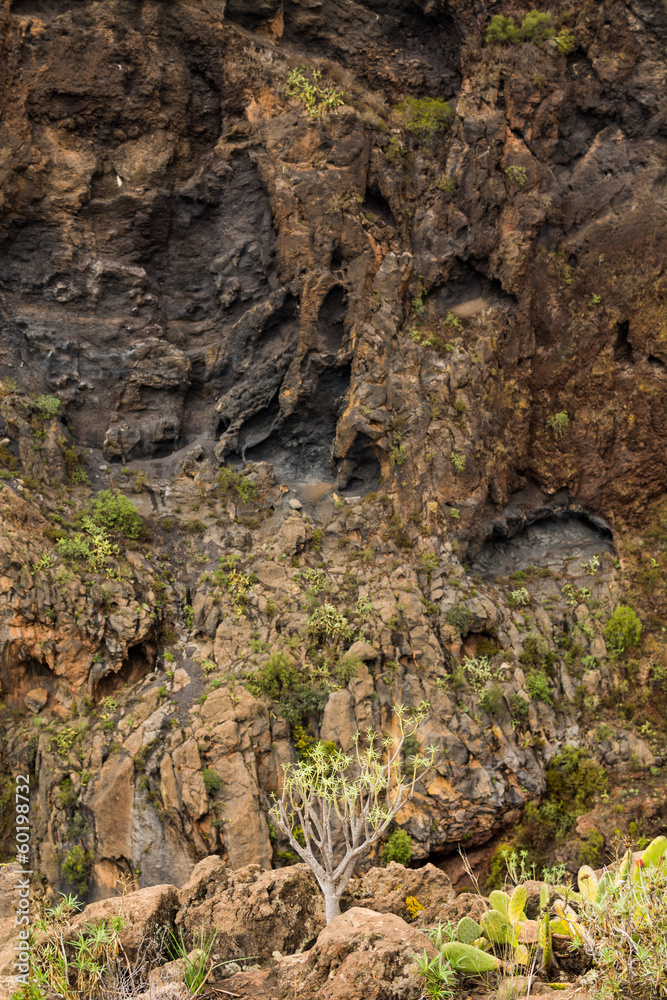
360 470
299 447
19 674
136 665
546 539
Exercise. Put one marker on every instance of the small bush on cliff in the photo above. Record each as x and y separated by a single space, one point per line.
537 685
357 794
75 868
212 781
297 699
424 116
398 848
623 630
47 406
117 514
537 26
558 424
234 484
573 778
327 623
460 618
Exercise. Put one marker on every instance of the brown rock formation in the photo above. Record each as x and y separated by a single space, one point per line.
462 329
357 952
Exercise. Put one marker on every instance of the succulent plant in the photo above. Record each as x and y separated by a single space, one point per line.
467 958
468 930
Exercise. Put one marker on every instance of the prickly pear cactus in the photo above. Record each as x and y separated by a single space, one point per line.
466 958
468 930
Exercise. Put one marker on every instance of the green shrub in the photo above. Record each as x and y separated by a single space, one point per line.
536 26
519 598
279 681
117 514
519 709
275 678
76 867
79 476
347 668
573 777
516 173
458 460
536 655
67 795
425 116
537 685
398 455
326 622
492 701
478 672
623 630
47 406
234 484
212 780
73 546
460 617
398 848
7 460
304 85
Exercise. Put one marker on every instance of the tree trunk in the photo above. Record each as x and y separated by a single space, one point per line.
331 902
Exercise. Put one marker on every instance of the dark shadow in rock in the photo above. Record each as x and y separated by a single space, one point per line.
657 363
39 8
360 470
258 428
330 321
337 259
300 448
250 14
468 290
375 205
622 346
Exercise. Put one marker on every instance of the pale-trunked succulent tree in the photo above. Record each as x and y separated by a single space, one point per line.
334 795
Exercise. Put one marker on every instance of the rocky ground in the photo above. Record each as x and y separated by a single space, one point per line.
410 369
272 939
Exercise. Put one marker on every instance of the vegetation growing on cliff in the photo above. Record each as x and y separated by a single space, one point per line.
537 26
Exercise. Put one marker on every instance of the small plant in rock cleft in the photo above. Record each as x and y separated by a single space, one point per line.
353 797
305 86
558 423
516 174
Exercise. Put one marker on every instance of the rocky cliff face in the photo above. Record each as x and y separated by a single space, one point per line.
457 321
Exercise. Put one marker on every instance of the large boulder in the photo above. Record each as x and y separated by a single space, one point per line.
256 912
359 954
145 912
385 890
